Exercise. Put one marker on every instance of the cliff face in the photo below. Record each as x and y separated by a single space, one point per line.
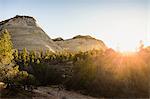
26 33
81 43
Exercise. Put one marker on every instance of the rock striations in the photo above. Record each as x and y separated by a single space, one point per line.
26 33
81 43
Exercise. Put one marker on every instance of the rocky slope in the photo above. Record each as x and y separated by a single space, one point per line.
81 43
26 33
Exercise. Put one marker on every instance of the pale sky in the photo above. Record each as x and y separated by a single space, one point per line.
119 23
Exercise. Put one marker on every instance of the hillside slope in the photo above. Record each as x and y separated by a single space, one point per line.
81 43
26 33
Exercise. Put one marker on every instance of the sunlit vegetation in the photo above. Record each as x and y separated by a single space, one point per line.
97 73
9 71
111 74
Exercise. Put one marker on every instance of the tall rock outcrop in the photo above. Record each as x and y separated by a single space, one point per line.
26 33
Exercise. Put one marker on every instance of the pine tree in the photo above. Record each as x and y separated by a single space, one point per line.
24 55
7 72
16 55
5 48
32 56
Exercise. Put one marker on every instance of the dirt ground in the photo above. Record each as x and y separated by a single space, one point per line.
55 93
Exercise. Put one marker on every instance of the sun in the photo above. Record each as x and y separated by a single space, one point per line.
130 46
127 47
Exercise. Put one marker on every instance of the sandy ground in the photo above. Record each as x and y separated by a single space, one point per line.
55 93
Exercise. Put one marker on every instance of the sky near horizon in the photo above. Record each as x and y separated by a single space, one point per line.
119 23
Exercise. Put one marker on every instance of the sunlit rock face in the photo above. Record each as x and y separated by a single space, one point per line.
81 44
26 33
